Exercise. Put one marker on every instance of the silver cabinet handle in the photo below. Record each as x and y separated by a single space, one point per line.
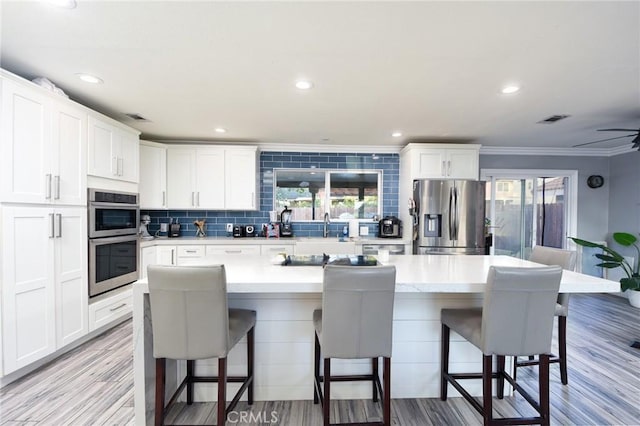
198 198
253 199
114 160
59 225
51 225
57 181
173 252
164 198
193 197
233 251
449 168
191 251
118 307
48 184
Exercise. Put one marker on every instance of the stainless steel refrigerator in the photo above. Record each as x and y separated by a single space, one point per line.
448 216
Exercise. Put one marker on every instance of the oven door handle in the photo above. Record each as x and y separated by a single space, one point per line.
111 240
121 205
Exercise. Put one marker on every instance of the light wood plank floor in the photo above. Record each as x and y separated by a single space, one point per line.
93 385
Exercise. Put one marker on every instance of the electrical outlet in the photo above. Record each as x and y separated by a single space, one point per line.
229 227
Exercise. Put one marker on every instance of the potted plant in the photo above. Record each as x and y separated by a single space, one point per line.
612 259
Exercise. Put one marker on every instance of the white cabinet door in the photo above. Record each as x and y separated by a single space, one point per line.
128 156
153 177
167 255
463 164
181 178
113 153
240 180
25 132
71 274
102 153
429 163
148 256
210 190
70 155
28 293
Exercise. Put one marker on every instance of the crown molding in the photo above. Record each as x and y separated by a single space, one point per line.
567 152
355 149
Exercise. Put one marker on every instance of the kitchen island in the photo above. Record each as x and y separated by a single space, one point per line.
285 297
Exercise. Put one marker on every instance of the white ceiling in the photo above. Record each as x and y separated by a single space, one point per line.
433 70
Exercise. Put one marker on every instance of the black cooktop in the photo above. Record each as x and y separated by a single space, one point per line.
325 259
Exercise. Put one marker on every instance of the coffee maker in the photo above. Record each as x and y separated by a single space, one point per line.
285 223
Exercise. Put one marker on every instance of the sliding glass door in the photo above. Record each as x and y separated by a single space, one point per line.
526 208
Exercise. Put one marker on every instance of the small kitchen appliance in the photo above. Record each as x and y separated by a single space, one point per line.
285 223
250 231
145 220
174 229
238 231
390 227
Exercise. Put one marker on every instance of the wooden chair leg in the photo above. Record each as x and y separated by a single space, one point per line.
374 368
190 367
487 402
387 391
316 368
326 400
543 377
160 380
444 361
222 391
500 381
562 348
250 362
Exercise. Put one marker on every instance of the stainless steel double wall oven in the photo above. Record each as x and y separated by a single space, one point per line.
114 218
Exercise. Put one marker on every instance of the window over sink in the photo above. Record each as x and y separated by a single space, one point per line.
344 194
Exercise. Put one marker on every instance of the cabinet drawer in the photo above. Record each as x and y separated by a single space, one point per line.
276 249
110 309
191 251
235 249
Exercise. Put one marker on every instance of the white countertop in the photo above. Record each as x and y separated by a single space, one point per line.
262 240
415 274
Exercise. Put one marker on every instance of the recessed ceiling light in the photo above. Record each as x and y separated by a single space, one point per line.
507 90
304 84
221 130
67 4
88 78
396 134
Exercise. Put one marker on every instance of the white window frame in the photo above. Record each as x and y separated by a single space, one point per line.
570 196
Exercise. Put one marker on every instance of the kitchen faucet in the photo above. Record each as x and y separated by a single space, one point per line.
325 229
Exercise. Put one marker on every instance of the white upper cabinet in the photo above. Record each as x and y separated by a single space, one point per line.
113 151
240 181
212 178
153 176
43 147
453 162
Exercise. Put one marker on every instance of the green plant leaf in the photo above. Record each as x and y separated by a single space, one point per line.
624 239
609 265
586 243
630 284
607 258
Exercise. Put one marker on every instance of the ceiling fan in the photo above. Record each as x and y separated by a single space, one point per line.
635 141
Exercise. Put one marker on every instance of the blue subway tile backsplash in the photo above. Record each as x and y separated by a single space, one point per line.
216 220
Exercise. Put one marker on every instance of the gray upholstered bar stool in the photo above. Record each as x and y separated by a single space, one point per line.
355 322
190 320
566 259
516 318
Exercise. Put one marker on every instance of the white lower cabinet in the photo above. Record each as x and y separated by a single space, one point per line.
212 251
44 276
148 256
107 310
189 254
167 255
273 250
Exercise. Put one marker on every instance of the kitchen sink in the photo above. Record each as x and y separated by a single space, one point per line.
325 259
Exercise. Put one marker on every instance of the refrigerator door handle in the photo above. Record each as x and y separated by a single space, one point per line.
451 215
456 216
